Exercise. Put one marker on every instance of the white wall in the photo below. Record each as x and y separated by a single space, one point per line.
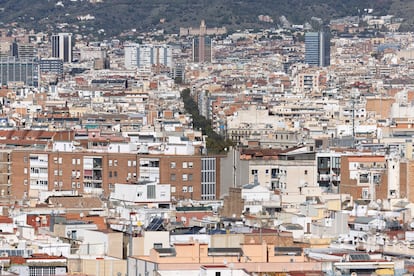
138 193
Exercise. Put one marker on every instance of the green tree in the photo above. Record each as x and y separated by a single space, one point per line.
215 142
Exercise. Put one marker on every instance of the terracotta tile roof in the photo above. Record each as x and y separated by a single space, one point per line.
366 159
75 202
99 221
16 259
5 219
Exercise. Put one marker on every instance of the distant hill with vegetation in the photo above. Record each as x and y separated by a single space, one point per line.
111 17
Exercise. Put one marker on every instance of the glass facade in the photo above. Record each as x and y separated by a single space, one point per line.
208 178
317 49
17 70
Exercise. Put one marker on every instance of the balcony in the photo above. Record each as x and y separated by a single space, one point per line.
93 191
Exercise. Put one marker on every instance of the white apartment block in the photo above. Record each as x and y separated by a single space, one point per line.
147 55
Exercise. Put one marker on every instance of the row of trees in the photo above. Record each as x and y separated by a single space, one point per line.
215 142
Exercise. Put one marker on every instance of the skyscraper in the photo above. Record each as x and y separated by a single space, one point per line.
62 46
317 49
202 46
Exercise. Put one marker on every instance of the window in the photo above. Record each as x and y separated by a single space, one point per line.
110 162
110 174
78 161
42 270
60 160
185 177
267 171
25 159
274 173
185 165
184 189
190 165
157 245
25 182
115 174
172 177
173 189
115 163
306 172
190 189
73 161
73 185
129 163
365 193
254 172
25 170
78 185
190 177
151 191
173 165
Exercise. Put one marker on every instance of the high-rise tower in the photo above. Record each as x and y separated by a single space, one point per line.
202 46
62 46
317 49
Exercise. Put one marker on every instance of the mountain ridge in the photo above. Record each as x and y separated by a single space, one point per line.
112 17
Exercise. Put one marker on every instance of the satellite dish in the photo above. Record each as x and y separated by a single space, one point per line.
412 224
17 234
37 219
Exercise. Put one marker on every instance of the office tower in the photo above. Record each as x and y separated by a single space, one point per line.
14 49
22 51
317 49
16 70
62 46
147 55
52 66
202 46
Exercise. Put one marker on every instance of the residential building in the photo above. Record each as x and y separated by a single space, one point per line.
32 171
147 56
190 257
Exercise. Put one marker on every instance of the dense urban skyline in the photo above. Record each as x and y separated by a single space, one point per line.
279 149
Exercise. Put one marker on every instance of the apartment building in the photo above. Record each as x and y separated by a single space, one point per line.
366 177
83 172
287 171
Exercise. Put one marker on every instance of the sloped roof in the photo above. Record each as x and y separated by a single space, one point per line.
75 202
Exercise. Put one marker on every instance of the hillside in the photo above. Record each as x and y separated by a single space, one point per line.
115 16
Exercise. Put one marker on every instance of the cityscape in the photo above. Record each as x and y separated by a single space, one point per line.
279 150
